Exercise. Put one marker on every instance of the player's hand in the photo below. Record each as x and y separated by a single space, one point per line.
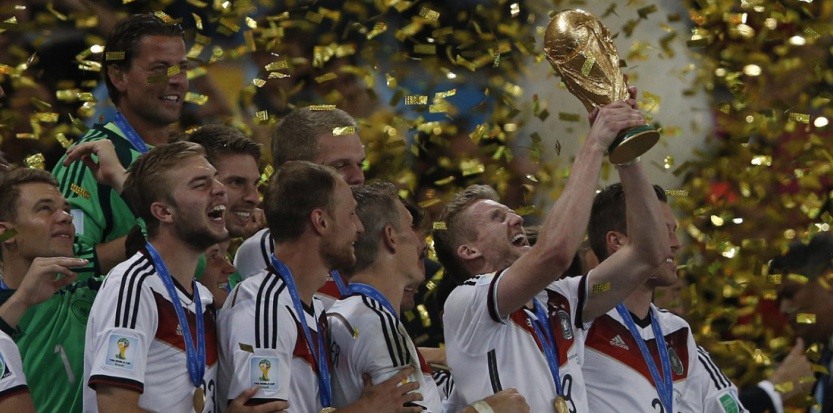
108 170
391 395
238 405
507 401
795 369
40 282
607 121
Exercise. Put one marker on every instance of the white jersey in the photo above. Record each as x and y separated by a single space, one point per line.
367 338
253 257
12 380
488 353
618 378
262 343
134 340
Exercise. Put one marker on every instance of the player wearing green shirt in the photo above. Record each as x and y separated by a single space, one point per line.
37 226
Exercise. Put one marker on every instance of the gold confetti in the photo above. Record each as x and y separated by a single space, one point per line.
83 193
805 318
196 98
279 65
36 161
416 100
526 210
110 56
445 181
443 95
569 117
600 288
173 71
429 14
326 77
322 107
472 167
439 225
677 193
258 82
62 139
645 11
344 130
800 117
442 32
425 49
162 15
246 347
152 79
378 29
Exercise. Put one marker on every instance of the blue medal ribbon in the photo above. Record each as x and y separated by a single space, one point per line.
130 134
324 389
664 383
195 356
342 289
547 340
368 291
3 285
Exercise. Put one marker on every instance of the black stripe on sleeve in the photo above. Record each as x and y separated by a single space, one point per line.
129 292
275 305
494 376
134 385
491 300
266 246
390 333
582 301
720 381
263 294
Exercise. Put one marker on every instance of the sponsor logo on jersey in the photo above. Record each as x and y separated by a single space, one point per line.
5 372
676 363
264 372
618 342
121 351
566 326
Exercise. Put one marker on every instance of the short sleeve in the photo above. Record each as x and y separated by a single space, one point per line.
710 389
252 256
471 315
12 380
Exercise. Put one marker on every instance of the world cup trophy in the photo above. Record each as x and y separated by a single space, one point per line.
581 50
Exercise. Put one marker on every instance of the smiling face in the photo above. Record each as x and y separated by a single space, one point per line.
43 223
199 203
337 247
149 96
409 256
667 274
344 153
500 237
217 271
239 174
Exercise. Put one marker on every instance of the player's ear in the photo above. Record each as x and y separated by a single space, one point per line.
162 212
116 76
615 240
389 238
7 232
467 252
319 221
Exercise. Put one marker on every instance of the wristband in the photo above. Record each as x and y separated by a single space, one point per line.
629 163
481 406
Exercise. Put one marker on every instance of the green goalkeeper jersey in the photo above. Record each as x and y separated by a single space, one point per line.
99 213
50 337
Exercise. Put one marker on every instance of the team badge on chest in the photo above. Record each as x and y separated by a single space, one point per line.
566 325
676 363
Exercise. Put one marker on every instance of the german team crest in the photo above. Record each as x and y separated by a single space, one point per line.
566 325
676 363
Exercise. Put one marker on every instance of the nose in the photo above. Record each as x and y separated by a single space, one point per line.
674 241
227 268
251 194
515 219
64 217
359 226
180 78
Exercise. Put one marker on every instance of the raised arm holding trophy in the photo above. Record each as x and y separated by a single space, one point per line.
581 50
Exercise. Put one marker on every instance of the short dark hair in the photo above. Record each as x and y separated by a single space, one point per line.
811 260
147 181
458 230
295 190
376 208
126 37
10 183
609 213
296 136
222 140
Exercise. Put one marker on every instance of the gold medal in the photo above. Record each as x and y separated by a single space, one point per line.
199 400
328 410
560 405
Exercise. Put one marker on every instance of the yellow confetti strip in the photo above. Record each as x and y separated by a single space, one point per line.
322 107
600 288
153 79
344 130
246 347
83 193
258 82
588 65
196 98
569 117
110 56
439 225
416 100
805 318
800 117
446 94
36 161
425 49
677 193
326 77
429 14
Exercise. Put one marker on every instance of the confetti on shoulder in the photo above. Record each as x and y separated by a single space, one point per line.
600 288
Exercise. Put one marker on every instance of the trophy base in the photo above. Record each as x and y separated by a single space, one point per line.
632 143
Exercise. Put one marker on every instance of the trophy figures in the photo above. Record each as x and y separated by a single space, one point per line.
579 47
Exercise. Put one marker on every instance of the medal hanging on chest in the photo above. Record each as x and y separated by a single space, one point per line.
561 405
199 400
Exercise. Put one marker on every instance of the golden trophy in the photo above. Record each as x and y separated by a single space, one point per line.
581 50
